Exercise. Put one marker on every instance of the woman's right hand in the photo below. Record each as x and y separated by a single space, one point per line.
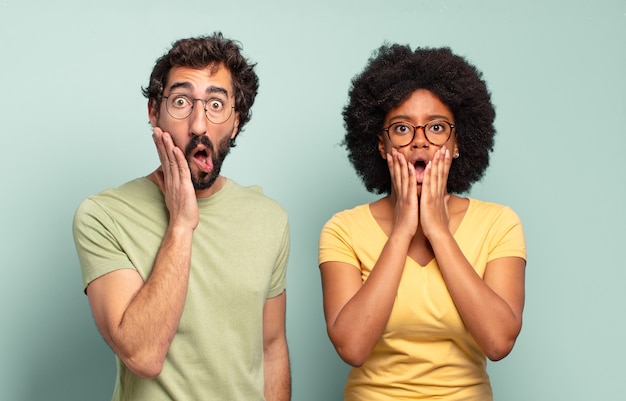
404 190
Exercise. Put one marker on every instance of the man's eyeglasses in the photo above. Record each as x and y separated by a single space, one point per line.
436 132
180 106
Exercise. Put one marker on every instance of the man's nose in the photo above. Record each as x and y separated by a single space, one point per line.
198 119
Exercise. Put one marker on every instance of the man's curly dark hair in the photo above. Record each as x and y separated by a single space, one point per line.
391 75
201 52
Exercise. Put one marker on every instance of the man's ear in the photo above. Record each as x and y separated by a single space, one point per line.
235 128
153 112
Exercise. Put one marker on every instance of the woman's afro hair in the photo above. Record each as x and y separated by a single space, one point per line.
391 75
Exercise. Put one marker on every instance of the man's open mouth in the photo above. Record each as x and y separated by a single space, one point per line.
203 161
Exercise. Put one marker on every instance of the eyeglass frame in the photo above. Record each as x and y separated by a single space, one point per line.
193 104
415 127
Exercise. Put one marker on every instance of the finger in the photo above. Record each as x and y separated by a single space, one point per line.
440 171
174 165
444 169
157 136
431 178
412 184
403 172
168 163
394 171
446 166
426 181
181 163
436 173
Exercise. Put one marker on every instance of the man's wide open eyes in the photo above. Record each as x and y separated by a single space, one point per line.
180 102
215 105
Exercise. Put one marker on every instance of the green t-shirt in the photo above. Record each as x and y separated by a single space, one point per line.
239 259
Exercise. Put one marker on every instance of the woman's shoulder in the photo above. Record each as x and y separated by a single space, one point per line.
357 212
486 210
347 220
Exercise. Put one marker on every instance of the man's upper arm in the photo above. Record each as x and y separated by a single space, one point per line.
97 242
274 318
109 296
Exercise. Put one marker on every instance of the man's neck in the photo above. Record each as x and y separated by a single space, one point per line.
213 189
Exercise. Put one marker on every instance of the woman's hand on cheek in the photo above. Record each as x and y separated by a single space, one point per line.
434 197
404 186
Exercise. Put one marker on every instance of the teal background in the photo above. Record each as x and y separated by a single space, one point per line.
73 122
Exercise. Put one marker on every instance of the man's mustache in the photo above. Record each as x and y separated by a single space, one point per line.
195 141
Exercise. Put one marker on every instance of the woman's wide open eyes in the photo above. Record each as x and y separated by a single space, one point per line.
436 127
401 129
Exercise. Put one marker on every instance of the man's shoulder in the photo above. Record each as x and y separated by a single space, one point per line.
132 194
252 200
136 188
252 193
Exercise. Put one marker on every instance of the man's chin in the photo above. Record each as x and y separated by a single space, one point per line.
205 182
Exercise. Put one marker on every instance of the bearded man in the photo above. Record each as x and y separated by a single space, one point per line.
184 269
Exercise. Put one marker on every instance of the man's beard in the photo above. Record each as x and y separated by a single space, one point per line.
204 180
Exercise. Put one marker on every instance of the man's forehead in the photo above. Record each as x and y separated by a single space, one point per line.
216 76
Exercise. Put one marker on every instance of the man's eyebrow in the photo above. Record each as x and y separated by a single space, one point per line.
216 89
209 90
184 85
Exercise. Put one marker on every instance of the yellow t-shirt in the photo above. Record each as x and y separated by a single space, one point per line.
425 351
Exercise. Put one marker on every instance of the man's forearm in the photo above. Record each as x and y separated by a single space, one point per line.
277 373
151 319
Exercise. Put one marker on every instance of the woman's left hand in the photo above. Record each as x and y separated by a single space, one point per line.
434 197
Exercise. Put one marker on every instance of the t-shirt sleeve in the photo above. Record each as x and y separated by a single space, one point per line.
278 281
508 239
335 244
98 250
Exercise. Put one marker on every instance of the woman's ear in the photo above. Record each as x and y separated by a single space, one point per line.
381 147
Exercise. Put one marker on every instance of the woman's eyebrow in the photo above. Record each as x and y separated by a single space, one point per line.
430 117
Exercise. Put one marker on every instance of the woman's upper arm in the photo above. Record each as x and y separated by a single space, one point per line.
340 282
506 277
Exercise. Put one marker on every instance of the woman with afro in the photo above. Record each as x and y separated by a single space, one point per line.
423 285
